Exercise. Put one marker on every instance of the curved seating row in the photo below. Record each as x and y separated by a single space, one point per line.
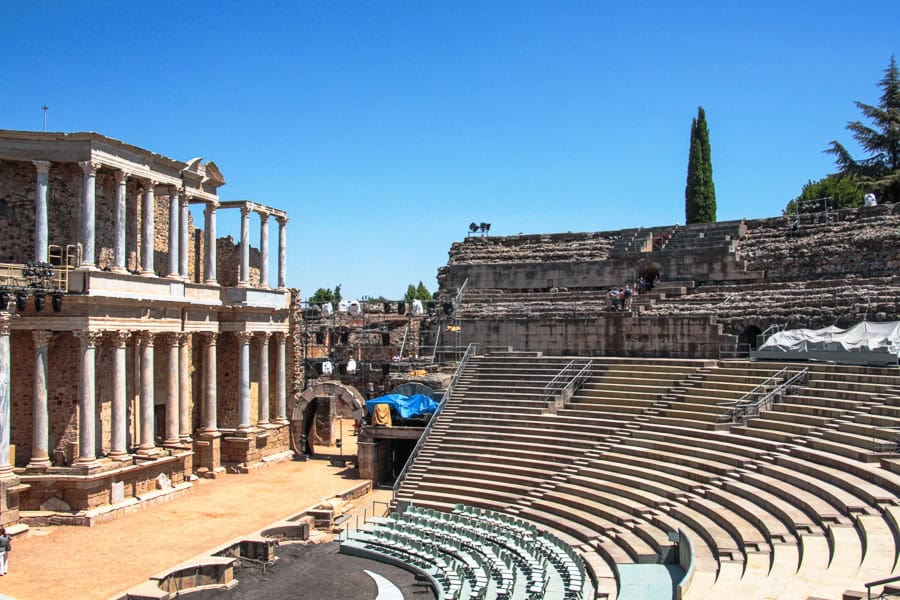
475 554
777 509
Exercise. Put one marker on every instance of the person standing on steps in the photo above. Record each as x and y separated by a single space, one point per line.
5 547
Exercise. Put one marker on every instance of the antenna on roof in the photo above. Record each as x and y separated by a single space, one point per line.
45 108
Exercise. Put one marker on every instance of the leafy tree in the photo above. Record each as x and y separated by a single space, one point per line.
324 295
880 173
410 293
700 192
845 190
422 293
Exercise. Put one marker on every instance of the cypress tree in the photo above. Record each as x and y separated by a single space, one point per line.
699 192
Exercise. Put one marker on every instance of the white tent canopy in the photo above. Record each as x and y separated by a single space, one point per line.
862 337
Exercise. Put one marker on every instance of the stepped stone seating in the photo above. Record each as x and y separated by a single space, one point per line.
472 553
560 247
797 503
861 241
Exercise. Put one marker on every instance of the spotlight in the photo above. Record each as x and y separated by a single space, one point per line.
21 301
40 300
448 308
4 300
401 308
56 302
473 227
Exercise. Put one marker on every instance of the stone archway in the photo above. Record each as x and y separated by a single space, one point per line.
343 395
750 336
650 272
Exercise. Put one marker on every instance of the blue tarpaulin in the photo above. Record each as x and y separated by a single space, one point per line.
405 406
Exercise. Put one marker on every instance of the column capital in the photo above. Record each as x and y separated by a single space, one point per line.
119 338
41 338
244 336
185 198
264 336
210 337
90 167
121 175
245 211
280 337
211 208
174 190
148 185
179 337
282 220
263 217
43 166
147 338
89 338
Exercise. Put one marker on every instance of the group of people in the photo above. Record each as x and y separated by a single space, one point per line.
620 298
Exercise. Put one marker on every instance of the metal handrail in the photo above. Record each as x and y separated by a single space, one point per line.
471 349
872 584
762 397
565 380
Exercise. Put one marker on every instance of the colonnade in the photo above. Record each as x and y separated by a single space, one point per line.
179 235
177 431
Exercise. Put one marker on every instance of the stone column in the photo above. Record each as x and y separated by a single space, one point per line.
280 379
118 448
147 444
88 214
172 436
174 231
6 469
121 212
264 250
148 231
210 215
184 389
282 253
41 235
183 238
262 417
87 401
209 399
244 338
245 247
40 430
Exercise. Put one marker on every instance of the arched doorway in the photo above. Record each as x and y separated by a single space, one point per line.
649 274
750 336
324 414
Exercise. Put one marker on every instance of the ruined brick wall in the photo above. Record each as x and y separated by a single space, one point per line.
64 359
228 263
18 181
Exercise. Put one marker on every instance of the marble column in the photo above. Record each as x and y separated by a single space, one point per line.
40 429
147 443
264 250
282 253
209 399
88 214
210 266
148 231
172 435
118 448
5 395
183 238
244 338
262 418
184 388
41 227
87 400
245 248
280 379
174 231
121 212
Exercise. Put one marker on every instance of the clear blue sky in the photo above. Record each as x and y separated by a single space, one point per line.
385 128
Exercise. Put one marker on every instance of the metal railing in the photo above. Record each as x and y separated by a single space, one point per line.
567 381
878 582
763 396
470 351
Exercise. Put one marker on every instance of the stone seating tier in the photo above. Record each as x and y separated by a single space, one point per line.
780 508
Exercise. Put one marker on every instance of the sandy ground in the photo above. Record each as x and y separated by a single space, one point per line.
107 559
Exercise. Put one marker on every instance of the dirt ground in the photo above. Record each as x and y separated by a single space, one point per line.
107 559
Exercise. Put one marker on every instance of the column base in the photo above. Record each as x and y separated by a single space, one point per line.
86 465
174 276
243 284
38 465
148 453
173 443
212 282
148 273
120 456
120 270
